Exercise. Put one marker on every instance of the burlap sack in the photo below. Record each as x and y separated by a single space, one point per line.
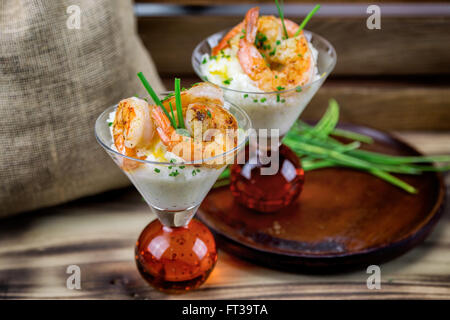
55 80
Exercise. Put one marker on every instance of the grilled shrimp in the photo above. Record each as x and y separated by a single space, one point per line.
288 65
133 129
202 92
266 56
229 39
213 132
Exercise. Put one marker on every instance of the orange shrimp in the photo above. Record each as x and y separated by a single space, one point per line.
214 132
225 42
289 64
133 130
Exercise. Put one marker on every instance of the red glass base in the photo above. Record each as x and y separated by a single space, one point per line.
178 259
268 193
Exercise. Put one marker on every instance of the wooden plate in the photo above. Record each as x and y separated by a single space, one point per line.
343 219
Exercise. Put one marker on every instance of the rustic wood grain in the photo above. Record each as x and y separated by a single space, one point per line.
98 234
386 104
404 45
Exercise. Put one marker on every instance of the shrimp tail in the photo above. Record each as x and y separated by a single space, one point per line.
224 43
251 24
164 127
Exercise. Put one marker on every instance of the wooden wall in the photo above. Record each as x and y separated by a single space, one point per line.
396 78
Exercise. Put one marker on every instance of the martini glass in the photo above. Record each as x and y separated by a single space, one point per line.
174 253
271 176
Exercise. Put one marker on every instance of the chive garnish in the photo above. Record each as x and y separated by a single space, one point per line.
298 89
307 18
178 104
228 81
194 173
279 88
155 98
173 116
209 114
152 93
278 42
157 170
263 100
245 95
283 100
182 167
280 13
204 60
174 173
110 124
278 97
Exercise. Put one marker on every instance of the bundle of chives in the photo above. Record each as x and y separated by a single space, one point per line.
318 150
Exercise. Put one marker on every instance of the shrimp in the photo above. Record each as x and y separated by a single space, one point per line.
227 39
200 92
289 64
133 130
214 132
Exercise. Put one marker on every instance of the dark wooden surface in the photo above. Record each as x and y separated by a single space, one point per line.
365 220
98 234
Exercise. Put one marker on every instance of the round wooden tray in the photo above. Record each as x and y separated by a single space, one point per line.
344 219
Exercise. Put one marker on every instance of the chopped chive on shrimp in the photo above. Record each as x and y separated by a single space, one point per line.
157 170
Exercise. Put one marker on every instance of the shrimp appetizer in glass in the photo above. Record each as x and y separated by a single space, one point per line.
173 151
271 67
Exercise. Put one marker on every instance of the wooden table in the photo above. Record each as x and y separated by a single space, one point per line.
98 235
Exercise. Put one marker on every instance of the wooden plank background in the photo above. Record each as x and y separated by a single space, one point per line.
396 78
98 235
403 46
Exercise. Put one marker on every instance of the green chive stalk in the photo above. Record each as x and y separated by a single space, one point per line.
305 21
178 104
281 14
152 93
318 150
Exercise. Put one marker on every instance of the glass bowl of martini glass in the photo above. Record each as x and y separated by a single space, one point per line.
174 253
271 176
